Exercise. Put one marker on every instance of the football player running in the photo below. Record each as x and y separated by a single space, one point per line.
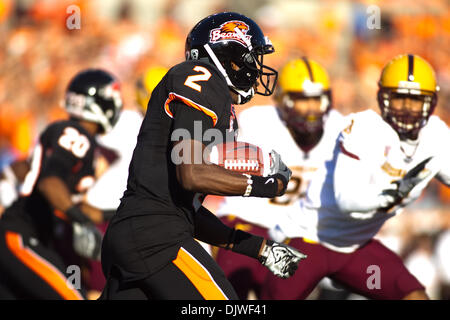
381 164
149 250
61 170
302 127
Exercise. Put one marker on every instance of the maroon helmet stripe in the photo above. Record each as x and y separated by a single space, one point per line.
410 67
308 66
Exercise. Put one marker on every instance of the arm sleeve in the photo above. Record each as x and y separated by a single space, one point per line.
209 229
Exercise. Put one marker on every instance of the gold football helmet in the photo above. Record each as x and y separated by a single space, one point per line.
304 98
407 76
146 83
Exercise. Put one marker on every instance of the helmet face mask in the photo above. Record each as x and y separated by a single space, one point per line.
304 100
267 75
406 121
236 46
94 95
306 124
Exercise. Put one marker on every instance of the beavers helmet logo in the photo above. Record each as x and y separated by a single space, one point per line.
227 31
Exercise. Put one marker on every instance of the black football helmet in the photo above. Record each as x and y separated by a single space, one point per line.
94 95
236 45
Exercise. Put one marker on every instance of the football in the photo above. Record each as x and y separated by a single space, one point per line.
240 157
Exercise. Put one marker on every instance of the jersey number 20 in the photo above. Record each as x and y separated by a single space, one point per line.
74 142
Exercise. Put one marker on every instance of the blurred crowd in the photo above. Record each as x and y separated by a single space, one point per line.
39 54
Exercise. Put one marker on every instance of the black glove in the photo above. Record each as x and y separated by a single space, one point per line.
280 259
87 240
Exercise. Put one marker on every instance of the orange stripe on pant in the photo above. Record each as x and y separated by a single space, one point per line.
199 276
44 269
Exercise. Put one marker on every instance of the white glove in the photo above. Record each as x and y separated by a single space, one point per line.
277 167
401 188
280 259
87 240
387 198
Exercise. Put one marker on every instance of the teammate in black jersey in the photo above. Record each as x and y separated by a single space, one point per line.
61 167
149 249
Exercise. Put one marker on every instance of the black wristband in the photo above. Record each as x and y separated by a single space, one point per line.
230 239
264 187
108 214
76 215
283 181
247 244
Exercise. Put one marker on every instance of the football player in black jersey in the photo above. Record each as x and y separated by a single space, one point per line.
149 249
61 167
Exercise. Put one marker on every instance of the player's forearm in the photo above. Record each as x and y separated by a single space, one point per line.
20 169
16 171
209 229
95 214
206 178
215 180
211 179
56 193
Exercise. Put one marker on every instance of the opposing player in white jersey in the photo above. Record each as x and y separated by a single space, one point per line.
381 163
302 127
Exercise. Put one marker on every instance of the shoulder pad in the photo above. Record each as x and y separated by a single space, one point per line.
199 84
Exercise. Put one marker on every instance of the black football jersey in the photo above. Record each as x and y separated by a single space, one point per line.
190 100
156 215
66 150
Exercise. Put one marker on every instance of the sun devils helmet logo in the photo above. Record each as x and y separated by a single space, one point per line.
227 31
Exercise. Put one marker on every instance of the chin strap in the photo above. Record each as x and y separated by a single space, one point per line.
244 96
218 64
